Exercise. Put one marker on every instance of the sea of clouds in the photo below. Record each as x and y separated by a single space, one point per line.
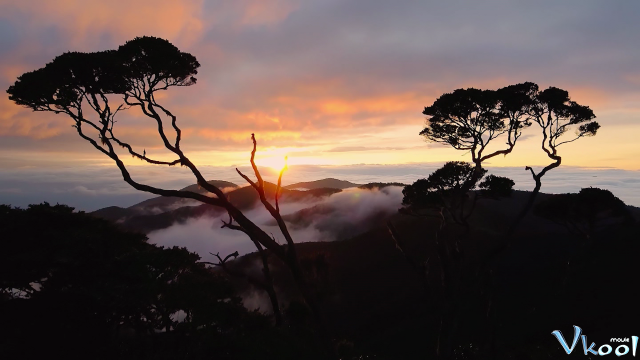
92 188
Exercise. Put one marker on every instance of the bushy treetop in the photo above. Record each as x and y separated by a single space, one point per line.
144 64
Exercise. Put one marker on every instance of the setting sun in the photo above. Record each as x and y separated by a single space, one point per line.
276 163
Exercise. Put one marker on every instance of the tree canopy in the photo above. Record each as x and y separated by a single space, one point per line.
440 187
447 182
78 286
494 186
138 68
555 112
470 119
586 212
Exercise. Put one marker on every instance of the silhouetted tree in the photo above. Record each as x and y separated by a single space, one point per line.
131 77
555 114
470 119
439 195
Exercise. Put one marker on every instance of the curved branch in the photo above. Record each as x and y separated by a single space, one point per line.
139 156
568 141
173 123
280 184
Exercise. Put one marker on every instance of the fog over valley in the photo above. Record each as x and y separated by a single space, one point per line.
334 217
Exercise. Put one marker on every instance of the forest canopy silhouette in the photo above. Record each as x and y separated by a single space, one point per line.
455 273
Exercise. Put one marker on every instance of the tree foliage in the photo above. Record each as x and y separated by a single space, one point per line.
52 252
78 286
470 119
494 186
446 188
441 187
555 113
586 212
138 68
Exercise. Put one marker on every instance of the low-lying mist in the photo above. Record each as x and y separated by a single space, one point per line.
335 217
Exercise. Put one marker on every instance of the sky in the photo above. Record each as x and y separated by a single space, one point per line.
325 82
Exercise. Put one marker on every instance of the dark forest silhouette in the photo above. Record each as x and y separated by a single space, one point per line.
457 238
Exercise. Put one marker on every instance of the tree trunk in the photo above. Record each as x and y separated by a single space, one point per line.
275 306
527 207
290 259
311 300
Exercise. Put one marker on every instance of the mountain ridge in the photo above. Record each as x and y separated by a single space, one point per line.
162 212
323 183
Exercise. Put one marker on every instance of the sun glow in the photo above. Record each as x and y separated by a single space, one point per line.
274 158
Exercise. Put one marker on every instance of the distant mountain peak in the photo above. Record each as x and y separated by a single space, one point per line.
331 183
221 184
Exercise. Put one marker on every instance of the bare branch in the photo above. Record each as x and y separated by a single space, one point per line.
221 261
568 141
532 172
253 184
279 184
141 156
253 163
260 189
173 123
229 224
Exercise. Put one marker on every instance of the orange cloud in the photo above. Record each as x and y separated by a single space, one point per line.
85 21
17 121
395 103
